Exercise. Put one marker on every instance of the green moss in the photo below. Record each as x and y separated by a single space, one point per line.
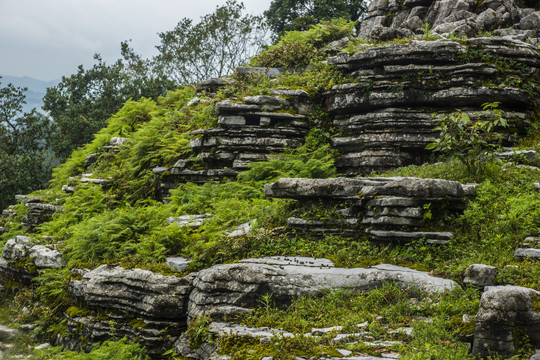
74 311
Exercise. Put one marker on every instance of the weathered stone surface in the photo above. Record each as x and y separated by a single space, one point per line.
385 118
38 213
178 263
7 333
532 253
395 209
46 258
232 289
192 221
503 310
156 336
445 17
140 292
17 248
253 128
21 259
480 275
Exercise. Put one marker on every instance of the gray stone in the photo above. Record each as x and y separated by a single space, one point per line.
231 289
263 334
521 254
177 263
480 275
45 258
42 346
117 141
503 311
535 356
530 22
192 221
137 291
160 170
17 248
7 333
487 20
242 230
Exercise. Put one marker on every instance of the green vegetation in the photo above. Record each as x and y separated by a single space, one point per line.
299 48
25 162
473 143
124 222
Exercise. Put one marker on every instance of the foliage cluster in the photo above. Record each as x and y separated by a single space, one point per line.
472 142
380 310
25 162
298 48
294 15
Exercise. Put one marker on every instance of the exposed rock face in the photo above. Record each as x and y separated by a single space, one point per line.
388 19
505 311
149 307
480 275
391 209
38 213
22 259
156 336
385 119
136 291
224 291
249 129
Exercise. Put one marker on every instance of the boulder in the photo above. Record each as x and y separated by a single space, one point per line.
224 291
140 292
480 275
504 312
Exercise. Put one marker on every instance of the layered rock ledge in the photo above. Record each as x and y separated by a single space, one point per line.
387 209
228 290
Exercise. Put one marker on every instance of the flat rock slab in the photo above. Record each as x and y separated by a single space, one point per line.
520 254
264 334
233 289
137 291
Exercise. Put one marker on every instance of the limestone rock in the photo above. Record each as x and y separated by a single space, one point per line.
136 291
231 289
178 263
17 248
503 310
523 253
7 333
480 275
46 258
395 209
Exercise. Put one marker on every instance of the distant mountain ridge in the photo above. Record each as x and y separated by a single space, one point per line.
36 89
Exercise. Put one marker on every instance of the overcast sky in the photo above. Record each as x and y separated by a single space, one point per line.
46 39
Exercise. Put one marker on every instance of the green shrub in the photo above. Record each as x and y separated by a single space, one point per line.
108 350
298 48
472 143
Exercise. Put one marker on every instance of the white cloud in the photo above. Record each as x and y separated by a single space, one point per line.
49 38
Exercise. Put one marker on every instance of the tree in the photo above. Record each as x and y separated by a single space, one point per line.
81 103
25 159
288 15
214 47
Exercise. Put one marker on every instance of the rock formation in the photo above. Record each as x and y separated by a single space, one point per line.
389 19
389 209
229 290
506 314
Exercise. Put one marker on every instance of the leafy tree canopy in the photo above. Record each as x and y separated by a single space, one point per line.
213 47
299 15
25 162
81 103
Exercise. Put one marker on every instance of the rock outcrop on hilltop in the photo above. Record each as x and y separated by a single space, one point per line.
380 118
386 118
388 19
